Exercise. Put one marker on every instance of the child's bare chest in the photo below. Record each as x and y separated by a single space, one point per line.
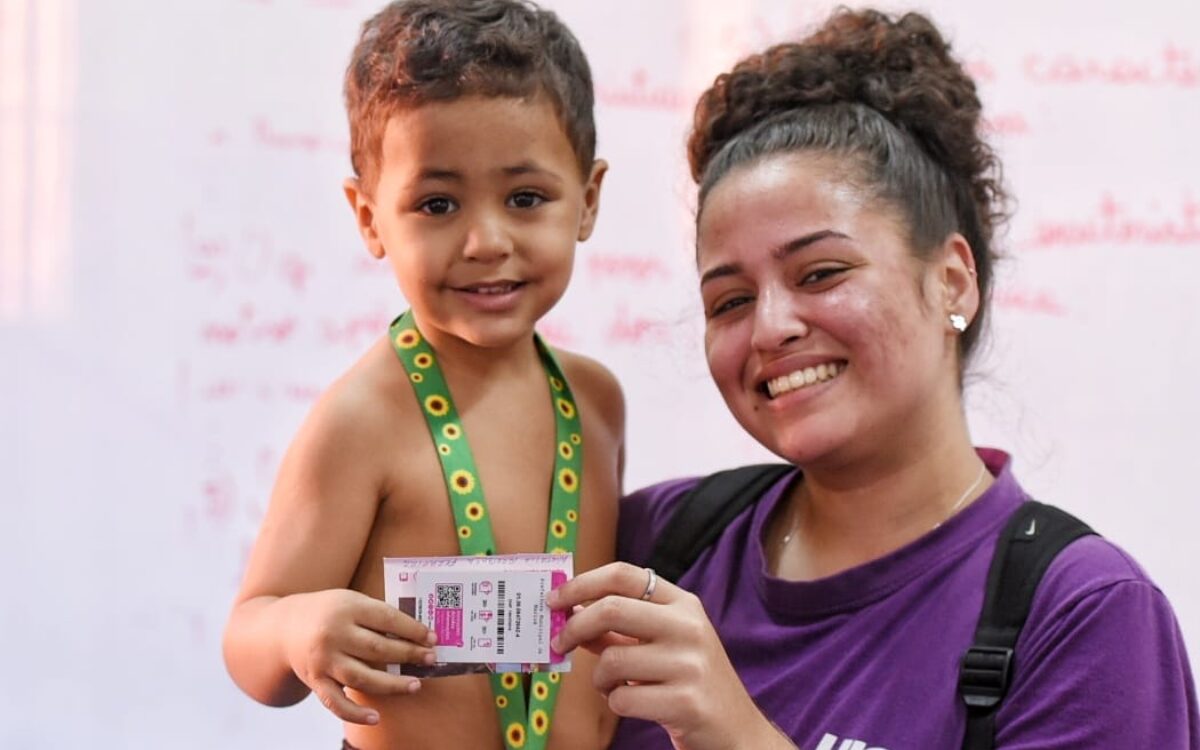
513 448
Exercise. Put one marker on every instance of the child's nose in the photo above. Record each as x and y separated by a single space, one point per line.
779 318
488 239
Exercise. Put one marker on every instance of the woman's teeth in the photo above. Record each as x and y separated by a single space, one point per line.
802 378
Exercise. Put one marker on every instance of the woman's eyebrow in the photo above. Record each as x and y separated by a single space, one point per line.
799 243
779 253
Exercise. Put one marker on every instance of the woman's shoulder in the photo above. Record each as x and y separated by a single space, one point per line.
645 513
1086 569
1100 633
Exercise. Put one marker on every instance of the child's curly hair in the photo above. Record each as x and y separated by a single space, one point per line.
887 94
418 51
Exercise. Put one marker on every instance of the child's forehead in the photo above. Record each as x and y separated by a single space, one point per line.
471 128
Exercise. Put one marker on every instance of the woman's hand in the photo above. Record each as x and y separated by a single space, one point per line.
660 659
340 639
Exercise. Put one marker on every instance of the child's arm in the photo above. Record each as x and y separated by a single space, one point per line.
295 627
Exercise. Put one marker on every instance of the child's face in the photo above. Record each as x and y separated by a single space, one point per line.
478 208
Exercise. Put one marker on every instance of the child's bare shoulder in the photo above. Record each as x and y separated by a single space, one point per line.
364 402
364 417
595 387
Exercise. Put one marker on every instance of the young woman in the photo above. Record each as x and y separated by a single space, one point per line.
846 211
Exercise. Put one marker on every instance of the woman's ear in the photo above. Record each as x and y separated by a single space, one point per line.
959 283
364 215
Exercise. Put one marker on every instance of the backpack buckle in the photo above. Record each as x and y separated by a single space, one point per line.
984 674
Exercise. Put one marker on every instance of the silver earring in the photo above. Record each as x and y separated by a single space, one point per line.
958 322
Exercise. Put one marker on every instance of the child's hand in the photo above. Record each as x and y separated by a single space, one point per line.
344 639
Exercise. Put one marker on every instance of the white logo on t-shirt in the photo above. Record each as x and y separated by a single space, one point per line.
830 742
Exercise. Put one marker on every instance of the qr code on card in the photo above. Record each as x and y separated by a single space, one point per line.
449 595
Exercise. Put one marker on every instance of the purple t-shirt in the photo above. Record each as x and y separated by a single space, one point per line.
868 659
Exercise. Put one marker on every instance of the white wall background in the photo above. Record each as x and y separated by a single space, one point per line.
179 276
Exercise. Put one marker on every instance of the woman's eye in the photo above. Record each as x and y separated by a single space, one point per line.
729 304
526 199
819 275
437 206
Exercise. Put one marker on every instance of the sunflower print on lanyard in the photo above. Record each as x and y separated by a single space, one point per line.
524 724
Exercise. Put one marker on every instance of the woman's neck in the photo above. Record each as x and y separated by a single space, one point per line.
845 515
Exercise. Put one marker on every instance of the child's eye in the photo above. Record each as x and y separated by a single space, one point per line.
437 206
526 199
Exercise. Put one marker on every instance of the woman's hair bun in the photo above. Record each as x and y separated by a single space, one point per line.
900 67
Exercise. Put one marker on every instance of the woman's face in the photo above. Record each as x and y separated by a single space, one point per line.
827 337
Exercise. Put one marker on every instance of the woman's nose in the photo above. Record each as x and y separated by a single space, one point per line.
488 238
778 319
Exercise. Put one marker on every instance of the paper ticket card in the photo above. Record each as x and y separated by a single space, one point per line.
489 613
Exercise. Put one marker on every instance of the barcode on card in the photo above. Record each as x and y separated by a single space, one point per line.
500 607
449 595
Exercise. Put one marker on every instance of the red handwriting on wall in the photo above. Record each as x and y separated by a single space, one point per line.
626 267
1115 223
639 93
269 135
228 390
1171 66
219 499
1006 123
249 327
626 328
1040 301
216 261
556 332
981 70
357 330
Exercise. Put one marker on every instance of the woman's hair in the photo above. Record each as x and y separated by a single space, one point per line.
887 95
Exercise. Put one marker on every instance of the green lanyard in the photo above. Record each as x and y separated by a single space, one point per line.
522 727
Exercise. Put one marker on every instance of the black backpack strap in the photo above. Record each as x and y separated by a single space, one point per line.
1034 534
703 513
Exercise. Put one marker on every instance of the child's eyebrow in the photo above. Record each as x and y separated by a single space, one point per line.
432 173
531 167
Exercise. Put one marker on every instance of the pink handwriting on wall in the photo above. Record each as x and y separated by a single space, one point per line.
634 329
229 390
248 327
357 330
220 499
1006 123
1041 301
638 93
1171 66
216 261
1114 223
556 332
626 267
269 135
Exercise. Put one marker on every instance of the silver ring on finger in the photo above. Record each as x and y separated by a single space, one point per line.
651 584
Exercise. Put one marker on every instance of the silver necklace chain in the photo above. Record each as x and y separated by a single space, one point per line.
953 509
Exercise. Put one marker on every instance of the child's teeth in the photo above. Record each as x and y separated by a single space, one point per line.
803 377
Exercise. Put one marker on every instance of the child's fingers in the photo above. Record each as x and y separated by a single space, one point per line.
332 698
366 679
375 648
384 618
